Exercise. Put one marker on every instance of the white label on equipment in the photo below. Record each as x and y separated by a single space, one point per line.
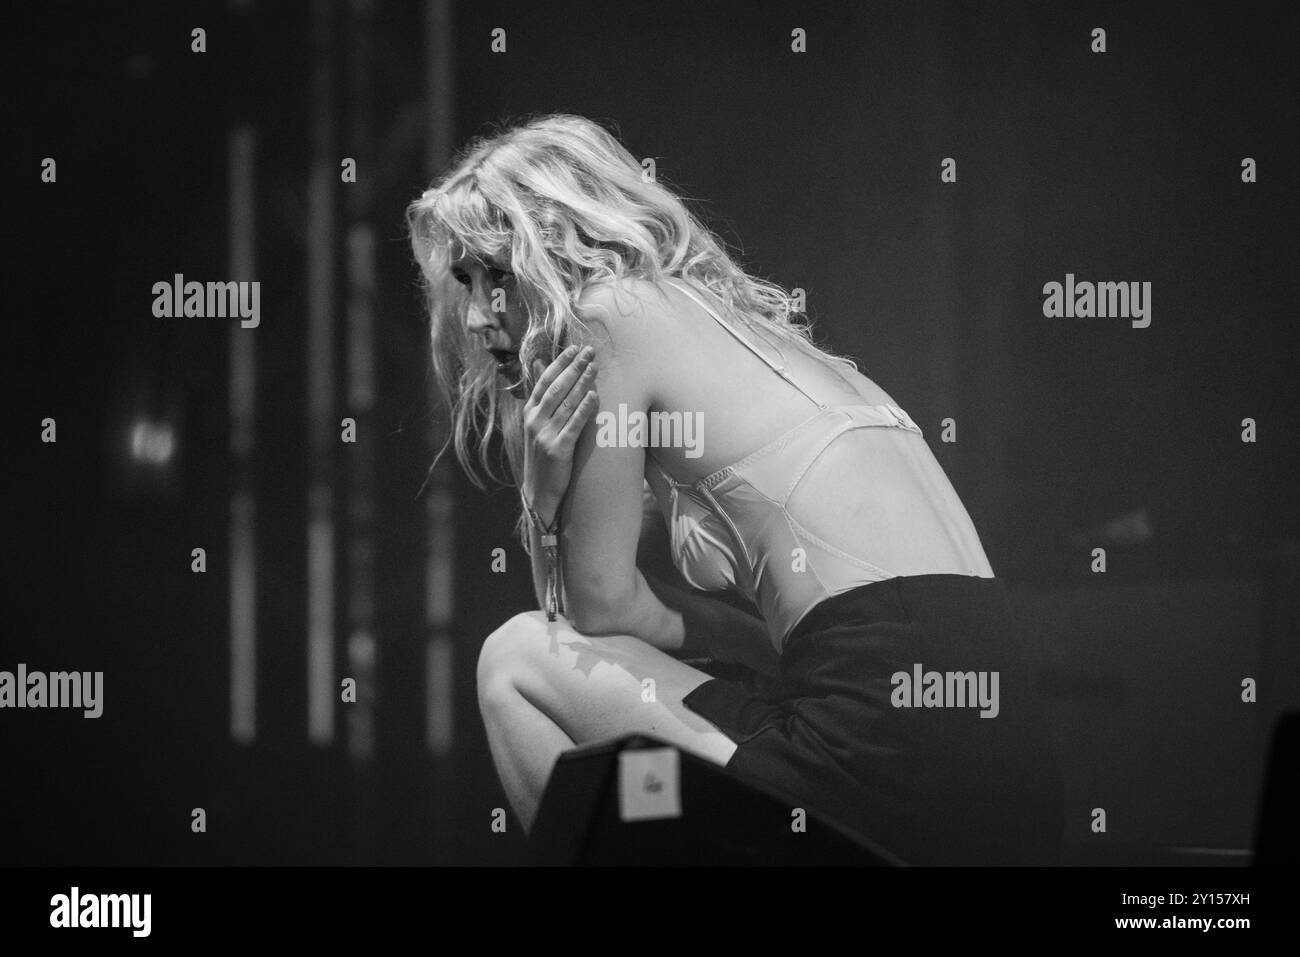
649 784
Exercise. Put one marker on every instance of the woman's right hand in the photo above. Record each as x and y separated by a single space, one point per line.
555 413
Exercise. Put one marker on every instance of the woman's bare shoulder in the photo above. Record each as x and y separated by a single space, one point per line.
631 313
624 298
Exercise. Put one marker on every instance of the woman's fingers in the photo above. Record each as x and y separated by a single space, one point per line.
576 394
564 382
544 381
568 436
562 402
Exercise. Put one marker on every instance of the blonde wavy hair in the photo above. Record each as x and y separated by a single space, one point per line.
566 204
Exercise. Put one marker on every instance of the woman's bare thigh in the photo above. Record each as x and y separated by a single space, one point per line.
603 686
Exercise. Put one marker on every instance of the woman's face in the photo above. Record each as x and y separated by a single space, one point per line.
498 332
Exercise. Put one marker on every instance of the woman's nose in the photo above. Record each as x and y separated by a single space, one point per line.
479 317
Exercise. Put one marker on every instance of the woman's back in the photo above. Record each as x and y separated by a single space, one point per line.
805 482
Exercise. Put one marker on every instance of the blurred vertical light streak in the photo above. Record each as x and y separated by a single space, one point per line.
440 584
440 543
320 379
361 550
940 215
241 155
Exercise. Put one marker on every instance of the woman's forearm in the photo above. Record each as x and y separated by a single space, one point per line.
658 606
662 609
675 619
713 628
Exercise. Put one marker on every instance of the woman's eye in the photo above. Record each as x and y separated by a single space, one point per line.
497 277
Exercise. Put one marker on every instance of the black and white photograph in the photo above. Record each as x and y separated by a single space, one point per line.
452 439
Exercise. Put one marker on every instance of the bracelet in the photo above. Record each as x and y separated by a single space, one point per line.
550 532
550 536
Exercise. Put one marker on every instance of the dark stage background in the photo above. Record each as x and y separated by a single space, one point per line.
823 170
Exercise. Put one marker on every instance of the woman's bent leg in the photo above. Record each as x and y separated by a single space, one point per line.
544 688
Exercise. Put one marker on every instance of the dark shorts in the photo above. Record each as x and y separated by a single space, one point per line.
932 785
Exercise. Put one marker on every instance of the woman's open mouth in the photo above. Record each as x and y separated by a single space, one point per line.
509 369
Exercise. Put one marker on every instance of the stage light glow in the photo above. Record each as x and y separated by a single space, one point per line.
153 443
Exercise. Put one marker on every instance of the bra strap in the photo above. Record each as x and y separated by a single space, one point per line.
747 344
664 476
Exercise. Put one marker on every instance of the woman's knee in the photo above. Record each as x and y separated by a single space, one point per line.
506 655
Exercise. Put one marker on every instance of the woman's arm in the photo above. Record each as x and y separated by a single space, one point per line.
715 628
669 614
555 413
605 592
601 514
715 625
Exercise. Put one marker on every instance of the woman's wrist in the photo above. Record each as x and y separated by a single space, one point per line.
547 531
544 511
